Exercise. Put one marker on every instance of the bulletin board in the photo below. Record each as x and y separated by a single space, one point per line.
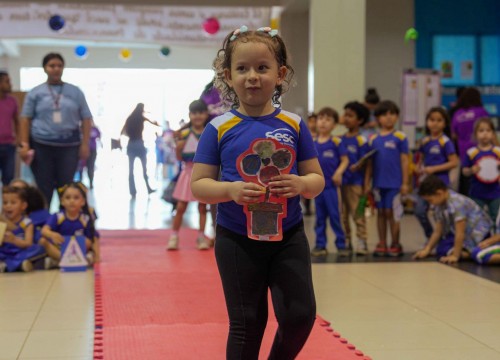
421 90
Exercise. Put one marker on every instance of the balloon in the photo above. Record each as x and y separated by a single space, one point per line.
411 34
211 25
125 54
81 51
164 51
56 22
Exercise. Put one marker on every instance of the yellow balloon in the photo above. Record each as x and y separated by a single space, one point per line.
125 54
275 23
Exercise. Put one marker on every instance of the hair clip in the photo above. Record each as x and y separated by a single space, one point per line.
236 32
267 29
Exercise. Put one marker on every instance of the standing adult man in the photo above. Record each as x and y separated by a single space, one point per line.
8 129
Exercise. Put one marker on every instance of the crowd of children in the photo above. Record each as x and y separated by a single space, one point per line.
464 226
30 234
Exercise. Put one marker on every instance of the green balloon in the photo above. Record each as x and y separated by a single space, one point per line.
165 50
411 34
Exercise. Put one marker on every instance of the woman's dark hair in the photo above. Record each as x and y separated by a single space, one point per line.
362 112
386 106
471 97
372 96
51 56
224 57
431 185
86 210
36 200
446 117
135 122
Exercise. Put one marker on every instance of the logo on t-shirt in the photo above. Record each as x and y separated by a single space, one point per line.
283 135
328 154
390 144
352 149
435 150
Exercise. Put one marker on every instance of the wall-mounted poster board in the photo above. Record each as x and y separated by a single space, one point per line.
421 90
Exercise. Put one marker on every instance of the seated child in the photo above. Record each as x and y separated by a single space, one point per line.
17 247
461 225
74 219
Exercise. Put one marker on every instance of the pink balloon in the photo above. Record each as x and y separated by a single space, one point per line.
211 25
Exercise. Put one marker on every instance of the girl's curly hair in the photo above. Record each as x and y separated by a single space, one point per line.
224 57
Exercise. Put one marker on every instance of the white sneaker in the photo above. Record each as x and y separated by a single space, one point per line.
50 263
173 242
90 258
3 267
361 248
27 266
202 244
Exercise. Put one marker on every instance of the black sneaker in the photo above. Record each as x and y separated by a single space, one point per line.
317 251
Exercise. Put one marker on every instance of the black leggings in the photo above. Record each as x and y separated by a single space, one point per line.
247 269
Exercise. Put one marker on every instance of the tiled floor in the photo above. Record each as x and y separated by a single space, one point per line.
393 310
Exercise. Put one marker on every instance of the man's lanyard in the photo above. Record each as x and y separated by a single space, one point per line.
56 97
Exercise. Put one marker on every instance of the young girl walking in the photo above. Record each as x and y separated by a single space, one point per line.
438 157
16 245
481 163
73 219
256 200
186 149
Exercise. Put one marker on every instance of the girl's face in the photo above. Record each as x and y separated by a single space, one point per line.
325 124
198 119
484 134
72 200
436 123
388 120
13 207
254 75
54 70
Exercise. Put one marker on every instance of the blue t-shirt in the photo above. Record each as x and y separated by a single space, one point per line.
40 105
230 134
21 226
436 152
480 189
60 223
387 159
356 147
329 154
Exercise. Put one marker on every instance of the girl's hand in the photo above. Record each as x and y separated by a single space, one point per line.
467 171
428 170
486 243
287 185
421 254
57 238
244 193
337 179
9 237
450 259
475 169
404 189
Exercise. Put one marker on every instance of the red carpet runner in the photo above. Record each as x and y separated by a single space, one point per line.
156 305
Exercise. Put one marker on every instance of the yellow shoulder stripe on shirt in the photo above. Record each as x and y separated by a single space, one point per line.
291 119
443 140
496 150
400 135
472 152
361 140
224 123
185 133
336 140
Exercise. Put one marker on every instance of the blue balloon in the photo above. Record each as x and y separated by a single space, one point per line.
56 22
81 51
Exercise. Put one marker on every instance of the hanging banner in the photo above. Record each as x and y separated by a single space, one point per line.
128 23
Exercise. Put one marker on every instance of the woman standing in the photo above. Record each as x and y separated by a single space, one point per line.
133 129
55 123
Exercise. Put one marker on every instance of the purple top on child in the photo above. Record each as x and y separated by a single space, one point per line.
462 126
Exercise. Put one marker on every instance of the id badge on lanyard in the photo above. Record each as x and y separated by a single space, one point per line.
56 115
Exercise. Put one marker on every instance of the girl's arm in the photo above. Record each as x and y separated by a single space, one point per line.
152 122
52 235
207 189
457 244
26 242
495 239
450 164
431 244
337 177
404 172
178 149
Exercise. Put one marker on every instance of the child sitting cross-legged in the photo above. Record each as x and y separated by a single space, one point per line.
74 219
461 226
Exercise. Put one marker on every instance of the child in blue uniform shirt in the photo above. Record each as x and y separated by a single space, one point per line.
251 73
17 248
462 228
439 157
389 167
355 117
74 219
483 191
333 159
